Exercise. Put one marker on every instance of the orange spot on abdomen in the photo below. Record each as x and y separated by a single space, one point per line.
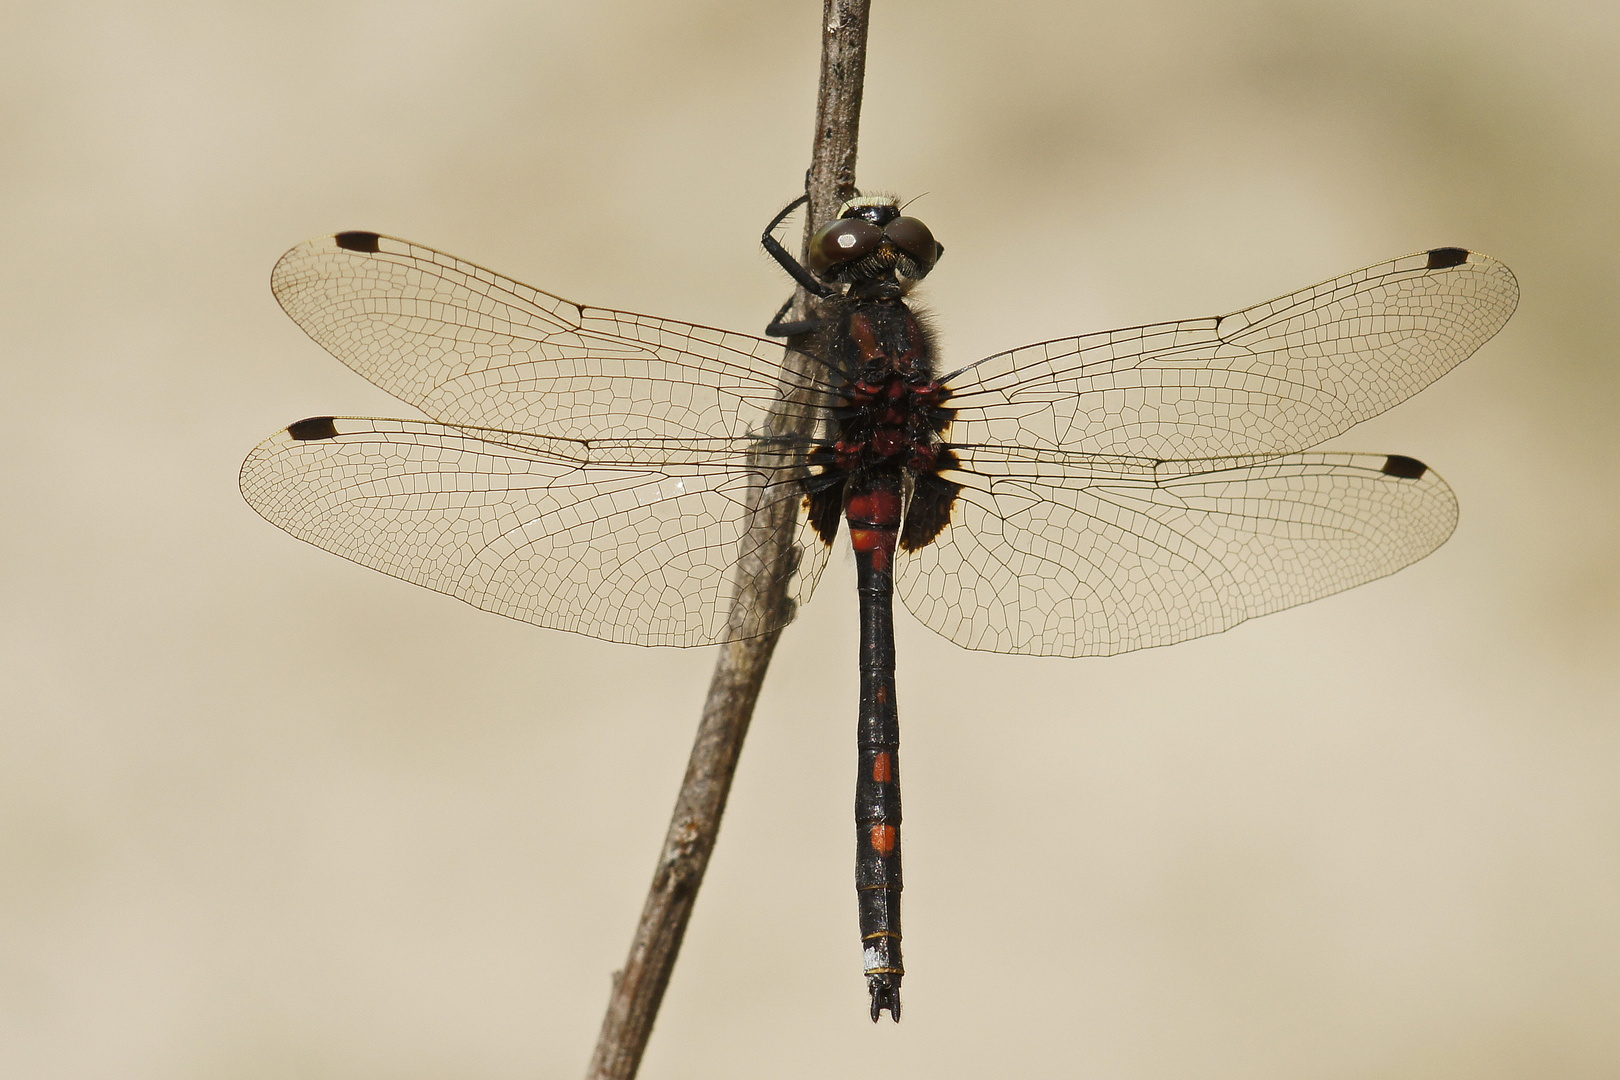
884 839
883 768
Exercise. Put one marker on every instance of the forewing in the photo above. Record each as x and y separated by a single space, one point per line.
1076 555
633 540
468 346
1275 378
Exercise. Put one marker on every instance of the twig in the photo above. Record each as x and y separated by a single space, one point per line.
639 988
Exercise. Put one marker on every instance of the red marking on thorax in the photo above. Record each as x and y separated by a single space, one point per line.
883 768
860 328
884 838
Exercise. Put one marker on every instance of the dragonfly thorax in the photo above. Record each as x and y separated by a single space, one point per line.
890 416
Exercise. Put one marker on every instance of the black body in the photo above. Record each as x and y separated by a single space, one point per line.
889 417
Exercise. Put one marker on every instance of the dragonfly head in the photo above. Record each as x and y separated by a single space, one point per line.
871 243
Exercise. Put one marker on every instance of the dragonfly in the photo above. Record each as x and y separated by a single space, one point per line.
597 471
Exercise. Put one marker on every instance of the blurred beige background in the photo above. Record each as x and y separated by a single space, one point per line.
266 814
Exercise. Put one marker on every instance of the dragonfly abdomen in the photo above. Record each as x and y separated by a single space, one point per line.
873 515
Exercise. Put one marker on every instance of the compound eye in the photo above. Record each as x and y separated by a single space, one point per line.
912 237
843 241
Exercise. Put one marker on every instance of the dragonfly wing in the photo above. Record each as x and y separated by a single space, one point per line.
1275 378
468 346
628 540
1073 555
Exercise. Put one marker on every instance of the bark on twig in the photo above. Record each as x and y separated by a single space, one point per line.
639 988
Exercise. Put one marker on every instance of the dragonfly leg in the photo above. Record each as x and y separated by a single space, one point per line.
781 328
796 270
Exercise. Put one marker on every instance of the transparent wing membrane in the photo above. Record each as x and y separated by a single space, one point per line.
593 470
1275 378
627 540
468 346
1069 556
